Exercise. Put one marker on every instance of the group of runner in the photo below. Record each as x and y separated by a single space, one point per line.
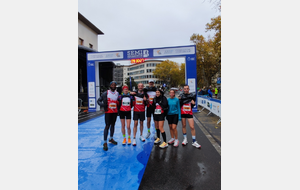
152 101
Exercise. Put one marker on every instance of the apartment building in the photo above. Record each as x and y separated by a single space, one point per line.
142 72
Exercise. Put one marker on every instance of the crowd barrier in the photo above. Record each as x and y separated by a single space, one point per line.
212 105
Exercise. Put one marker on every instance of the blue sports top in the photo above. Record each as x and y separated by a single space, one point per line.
174 107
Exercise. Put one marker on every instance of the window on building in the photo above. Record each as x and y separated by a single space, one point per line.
80 41
91 46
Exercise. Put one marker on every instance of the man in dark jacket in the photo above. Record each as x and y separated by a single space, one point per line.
150 90
109 100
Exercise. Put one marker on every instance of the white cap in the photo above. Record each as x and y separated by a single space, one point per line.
151 80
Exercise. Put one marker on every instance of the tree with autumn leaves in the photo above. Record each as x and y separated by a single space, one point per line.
208 59
171 73
208 53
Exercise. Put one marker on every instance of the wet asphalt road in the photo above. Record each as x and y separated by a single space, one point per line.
184 167
82 117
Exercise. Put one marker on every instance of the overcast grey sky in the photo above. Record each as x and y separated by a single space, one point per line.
138 24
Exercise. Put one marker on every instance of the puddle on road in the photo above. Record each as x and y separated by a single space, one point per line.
203 170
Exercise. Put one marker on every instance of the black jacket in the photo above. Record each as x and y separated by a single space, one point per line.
162 101
149 89
102 100
187 98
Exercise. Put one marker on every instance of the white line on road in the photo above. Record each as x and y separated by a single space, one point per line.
86 117
210 138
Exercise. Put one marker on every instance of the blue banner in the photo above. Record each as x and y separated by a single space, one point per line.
189 52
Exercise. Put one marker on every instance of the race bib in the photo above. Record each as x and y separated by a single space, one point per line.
139 101
151 99
112 105
157 111
186 107
126 102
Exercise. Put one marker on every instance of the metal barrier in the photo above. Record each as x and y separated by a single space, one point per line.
211 104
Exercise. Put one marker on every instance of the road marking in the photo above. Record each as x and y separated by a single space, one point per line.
210 138
88 116
83 115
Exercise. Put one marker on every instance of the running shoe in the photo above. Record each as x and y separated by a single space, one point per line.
195 144
142 138
105 147
129 141
134 142
171 141
148 135
124 141
157 141
176 143
184 142
163 145
112 141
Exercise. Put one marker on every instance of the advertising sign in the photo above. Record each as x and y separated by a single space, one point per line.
173 51
111 55
210 104
91 89
92 103
137 53
192 85
134 61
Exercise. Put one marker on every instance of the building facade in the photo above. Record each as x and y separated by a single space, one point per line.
142 72
87 33
118 74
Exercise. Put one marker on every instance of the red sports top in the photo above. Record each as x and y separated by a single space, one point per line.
138 104
186 109
158 109
125 106
112 101
151 95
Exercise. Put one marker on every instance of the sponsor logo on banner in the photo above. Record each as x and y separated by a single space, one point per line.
190 58
208 104
91 64
214 107
92 103
174 51
99 56
218 108
137 53
133 61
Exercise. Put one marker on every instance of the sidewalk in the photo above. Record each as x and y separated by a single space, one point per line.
209 122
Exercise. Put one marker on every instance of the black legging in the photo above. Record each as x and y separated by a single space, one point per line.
112 130
110 120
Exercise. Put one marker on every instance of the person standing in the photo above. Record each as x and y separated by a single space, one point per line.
216 92
209 92
150 90
187 102
125 105
160 104
174 114
140 102
109 100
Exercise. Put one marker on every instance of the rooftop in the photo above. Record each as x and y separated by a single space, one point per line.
89 24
